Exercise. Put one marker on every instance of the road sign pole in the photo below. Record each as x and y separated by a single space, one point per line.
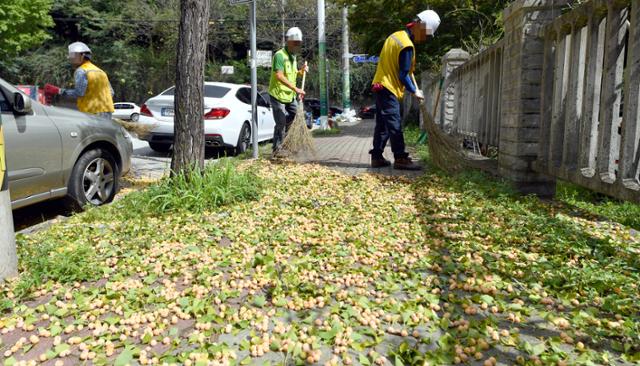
322 66
8 257
346 82
254 79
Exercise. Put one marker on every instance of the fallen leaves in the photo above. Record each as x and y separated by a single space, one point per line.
324 268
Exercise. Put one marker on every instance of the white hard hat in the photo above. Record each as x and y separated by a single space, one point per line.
431 19
294 34
79 47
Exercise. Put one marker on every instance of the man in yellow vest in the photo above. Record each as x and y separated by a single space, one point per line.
92 87
394 75
282 86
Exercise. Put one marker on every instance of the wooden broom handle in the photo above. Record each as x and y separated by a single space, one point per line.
304 75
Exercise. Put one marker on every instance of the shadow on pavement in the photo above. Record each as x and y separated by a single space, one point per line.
39 213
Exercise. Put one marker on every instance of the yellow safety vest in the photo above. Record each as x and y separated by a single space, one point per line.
277 89
97 98
389 63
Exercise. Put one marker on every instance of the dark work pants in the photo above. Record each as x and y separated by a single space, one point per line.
283 115
388 126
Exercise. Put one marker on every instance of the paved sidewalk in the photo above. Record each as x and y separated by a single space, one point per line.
348 152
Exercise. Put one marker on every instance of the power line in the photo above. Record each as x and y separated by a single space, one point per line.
211 21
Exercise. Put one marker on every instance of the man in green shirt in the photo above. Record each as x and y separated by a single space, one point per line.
282 86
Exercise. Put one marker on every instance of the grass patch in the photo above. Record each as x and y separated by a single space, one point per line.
219 184
411 135
626 213
67 253
327 132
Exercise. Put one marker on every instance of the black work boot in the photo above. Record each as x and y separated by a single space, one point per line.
405 163
380 162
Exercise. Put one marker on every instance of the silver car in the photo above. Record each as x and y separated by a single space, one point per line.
53 152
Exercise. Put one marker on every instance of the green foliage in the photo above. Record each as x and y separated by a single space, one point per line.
48 261
23 24
329 132
467 24
361 76
626 213
219 184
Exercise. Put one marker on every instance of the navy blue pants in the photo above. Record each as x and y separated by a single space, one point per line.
388 126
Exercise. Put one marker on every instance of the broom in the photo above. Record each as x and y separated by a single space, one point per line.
298 138
445 150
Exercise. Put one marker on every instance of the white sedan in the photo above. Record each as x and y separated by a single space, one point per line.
125 110
226 118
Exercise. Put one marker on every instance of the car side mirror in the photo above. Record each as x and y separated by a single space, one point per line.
21 103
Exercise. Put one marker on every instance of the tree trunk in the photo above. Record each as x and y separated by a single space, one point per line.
188 148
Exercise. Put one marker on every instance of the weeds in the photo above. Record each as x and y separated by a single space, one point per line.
219 184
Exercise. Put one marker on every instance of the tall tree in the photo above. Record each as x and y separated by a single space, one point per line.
23 24
188 148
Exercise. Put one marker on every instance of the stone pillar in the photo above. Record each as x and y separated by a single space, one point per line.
521 94
447 113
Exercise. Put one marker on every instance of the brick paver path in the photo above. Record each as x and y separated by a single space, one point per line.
349 152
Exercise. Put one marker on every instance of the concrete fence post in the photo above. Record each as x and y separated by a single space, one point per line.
448 114
520 119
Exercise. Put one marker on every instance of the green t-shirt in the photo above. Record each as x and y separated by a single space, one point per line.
279 60
287 64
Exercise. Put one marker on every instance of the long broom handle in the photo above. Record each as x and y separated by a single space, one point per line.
432 117
304 79
304 75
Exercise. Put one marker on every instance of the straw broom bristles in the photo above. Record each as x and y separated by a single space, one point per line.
298 138
138 129
445 151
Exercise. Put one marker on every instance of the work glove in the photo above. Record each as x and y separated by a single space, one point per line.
419 94
51 90
305 68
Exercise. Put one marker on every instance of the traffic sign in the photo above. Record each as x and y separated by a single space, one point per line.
263 58
237 2
361 59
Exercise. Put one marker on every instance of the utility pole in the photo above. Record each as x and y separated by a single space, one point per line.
254 79
282 14
322 67
346 80
8 256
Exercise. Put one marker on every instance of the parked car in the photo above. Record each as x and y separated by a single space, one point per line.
125 110
334 111
367 111
313 105
226 117
53 152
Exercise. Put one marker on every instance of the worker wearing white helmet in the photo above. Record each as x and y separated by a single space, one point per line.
92 87
282 86
394 75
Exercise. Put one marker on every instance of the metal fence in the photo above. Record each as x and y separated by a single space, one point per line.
590 97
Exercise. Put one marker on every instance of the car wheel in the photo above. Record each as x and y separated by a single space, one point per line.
163 148
94 179
135 117
244 140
